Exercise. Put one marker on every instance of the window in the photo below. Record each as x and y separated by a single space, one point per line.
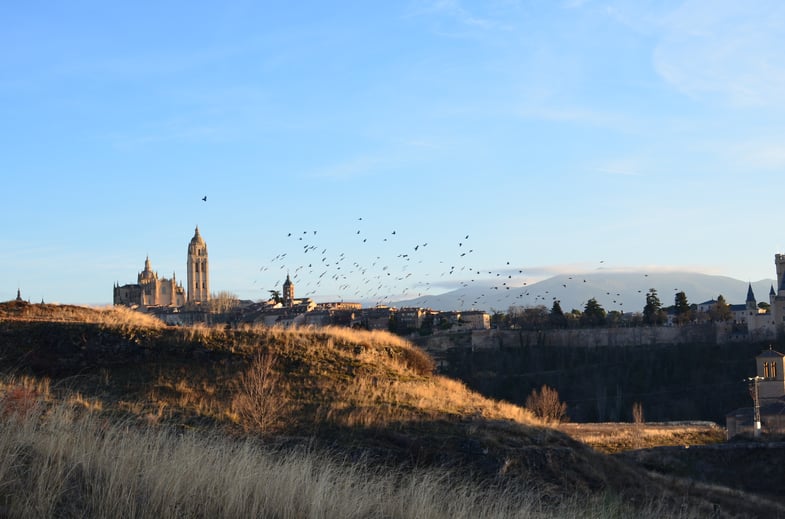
765 370
773 370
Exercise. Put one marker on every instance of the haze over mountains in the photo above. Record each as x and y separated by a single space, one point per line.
623 291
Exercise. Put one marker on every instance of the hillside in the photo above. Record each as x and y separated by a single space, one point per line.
623 291
364 396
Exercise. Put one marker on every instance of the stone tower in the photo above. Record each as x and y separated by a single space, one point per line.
771 368
287 297
778 301
198 270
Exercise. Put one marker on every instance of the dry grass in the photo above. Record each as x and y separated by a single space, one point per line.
101 443
113 316
368 379
611 438
61 461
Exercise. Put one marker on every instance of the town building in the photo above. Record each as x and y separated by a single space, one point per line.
770 384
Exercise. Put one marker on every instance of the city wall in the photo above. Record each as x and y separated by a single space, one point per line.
589 337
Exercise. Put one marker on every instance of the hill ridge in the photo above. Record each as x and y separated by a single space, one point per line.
614 290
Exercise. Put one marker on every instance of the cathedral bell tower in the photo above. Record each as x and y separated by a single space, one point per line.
198 270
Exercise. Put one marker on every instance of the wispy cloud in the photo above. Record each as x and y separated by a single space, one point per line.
167 131
576 114
627 167
767 154
455 12
574 4
538 273
359 166
730 50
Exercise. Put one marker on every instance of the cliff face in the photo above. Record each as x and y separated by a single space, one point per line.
600 374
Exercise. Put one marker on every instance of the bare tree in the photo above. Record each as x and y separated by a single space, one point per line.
260 400
545 404
223 302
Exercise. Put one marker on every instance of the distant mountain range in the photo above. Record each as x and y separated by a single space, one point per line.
624 291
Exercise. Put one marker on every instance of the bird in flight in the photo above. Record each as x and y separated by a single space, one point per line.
204 198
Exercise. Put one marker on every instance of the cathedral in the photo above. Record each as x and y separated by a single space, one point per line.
150 291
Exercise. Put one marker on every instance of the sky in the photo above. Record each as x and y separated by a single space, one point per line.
382 150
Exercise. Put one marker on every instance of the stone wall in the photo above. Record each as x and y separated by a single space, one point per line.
591 337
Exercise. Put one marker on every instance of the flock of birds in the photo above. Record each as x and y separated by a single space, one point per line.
386 267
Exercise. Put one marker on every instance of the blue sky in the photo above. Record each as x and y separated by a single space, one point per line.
559 136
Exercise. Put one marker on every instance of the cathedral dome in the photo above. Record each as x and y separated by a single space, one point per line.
147 273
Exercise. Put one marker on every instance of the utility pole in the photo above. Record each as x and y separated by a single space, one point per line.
756 419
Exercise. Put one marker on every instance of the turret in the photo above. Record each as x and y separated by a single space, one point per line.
751 303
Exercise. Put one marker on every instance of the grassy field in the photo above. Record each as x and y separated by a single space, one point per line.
64 462
106 414
612 438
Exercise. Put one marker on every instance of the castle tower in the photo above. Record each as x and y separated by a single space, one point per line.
751 303
778 301
287 297
198 270
779 262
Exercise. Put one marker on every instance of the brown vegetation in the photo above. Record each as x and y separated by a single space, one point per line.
612 438
182 410
545 404
63 462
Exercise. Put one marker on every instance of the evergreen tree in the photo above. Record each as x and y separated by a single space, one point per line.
653 314
682 308
557 317
593 314
720 311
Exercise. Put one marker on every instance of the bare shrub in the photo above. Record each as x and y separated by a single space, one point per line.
418 361
546 405
261 402
637 419
637 413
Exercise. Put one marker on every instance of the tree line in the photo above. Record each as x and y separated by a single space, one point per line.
594 315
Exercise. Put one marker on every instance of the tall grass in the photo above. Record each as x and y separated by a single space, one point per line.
62 461
117 316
